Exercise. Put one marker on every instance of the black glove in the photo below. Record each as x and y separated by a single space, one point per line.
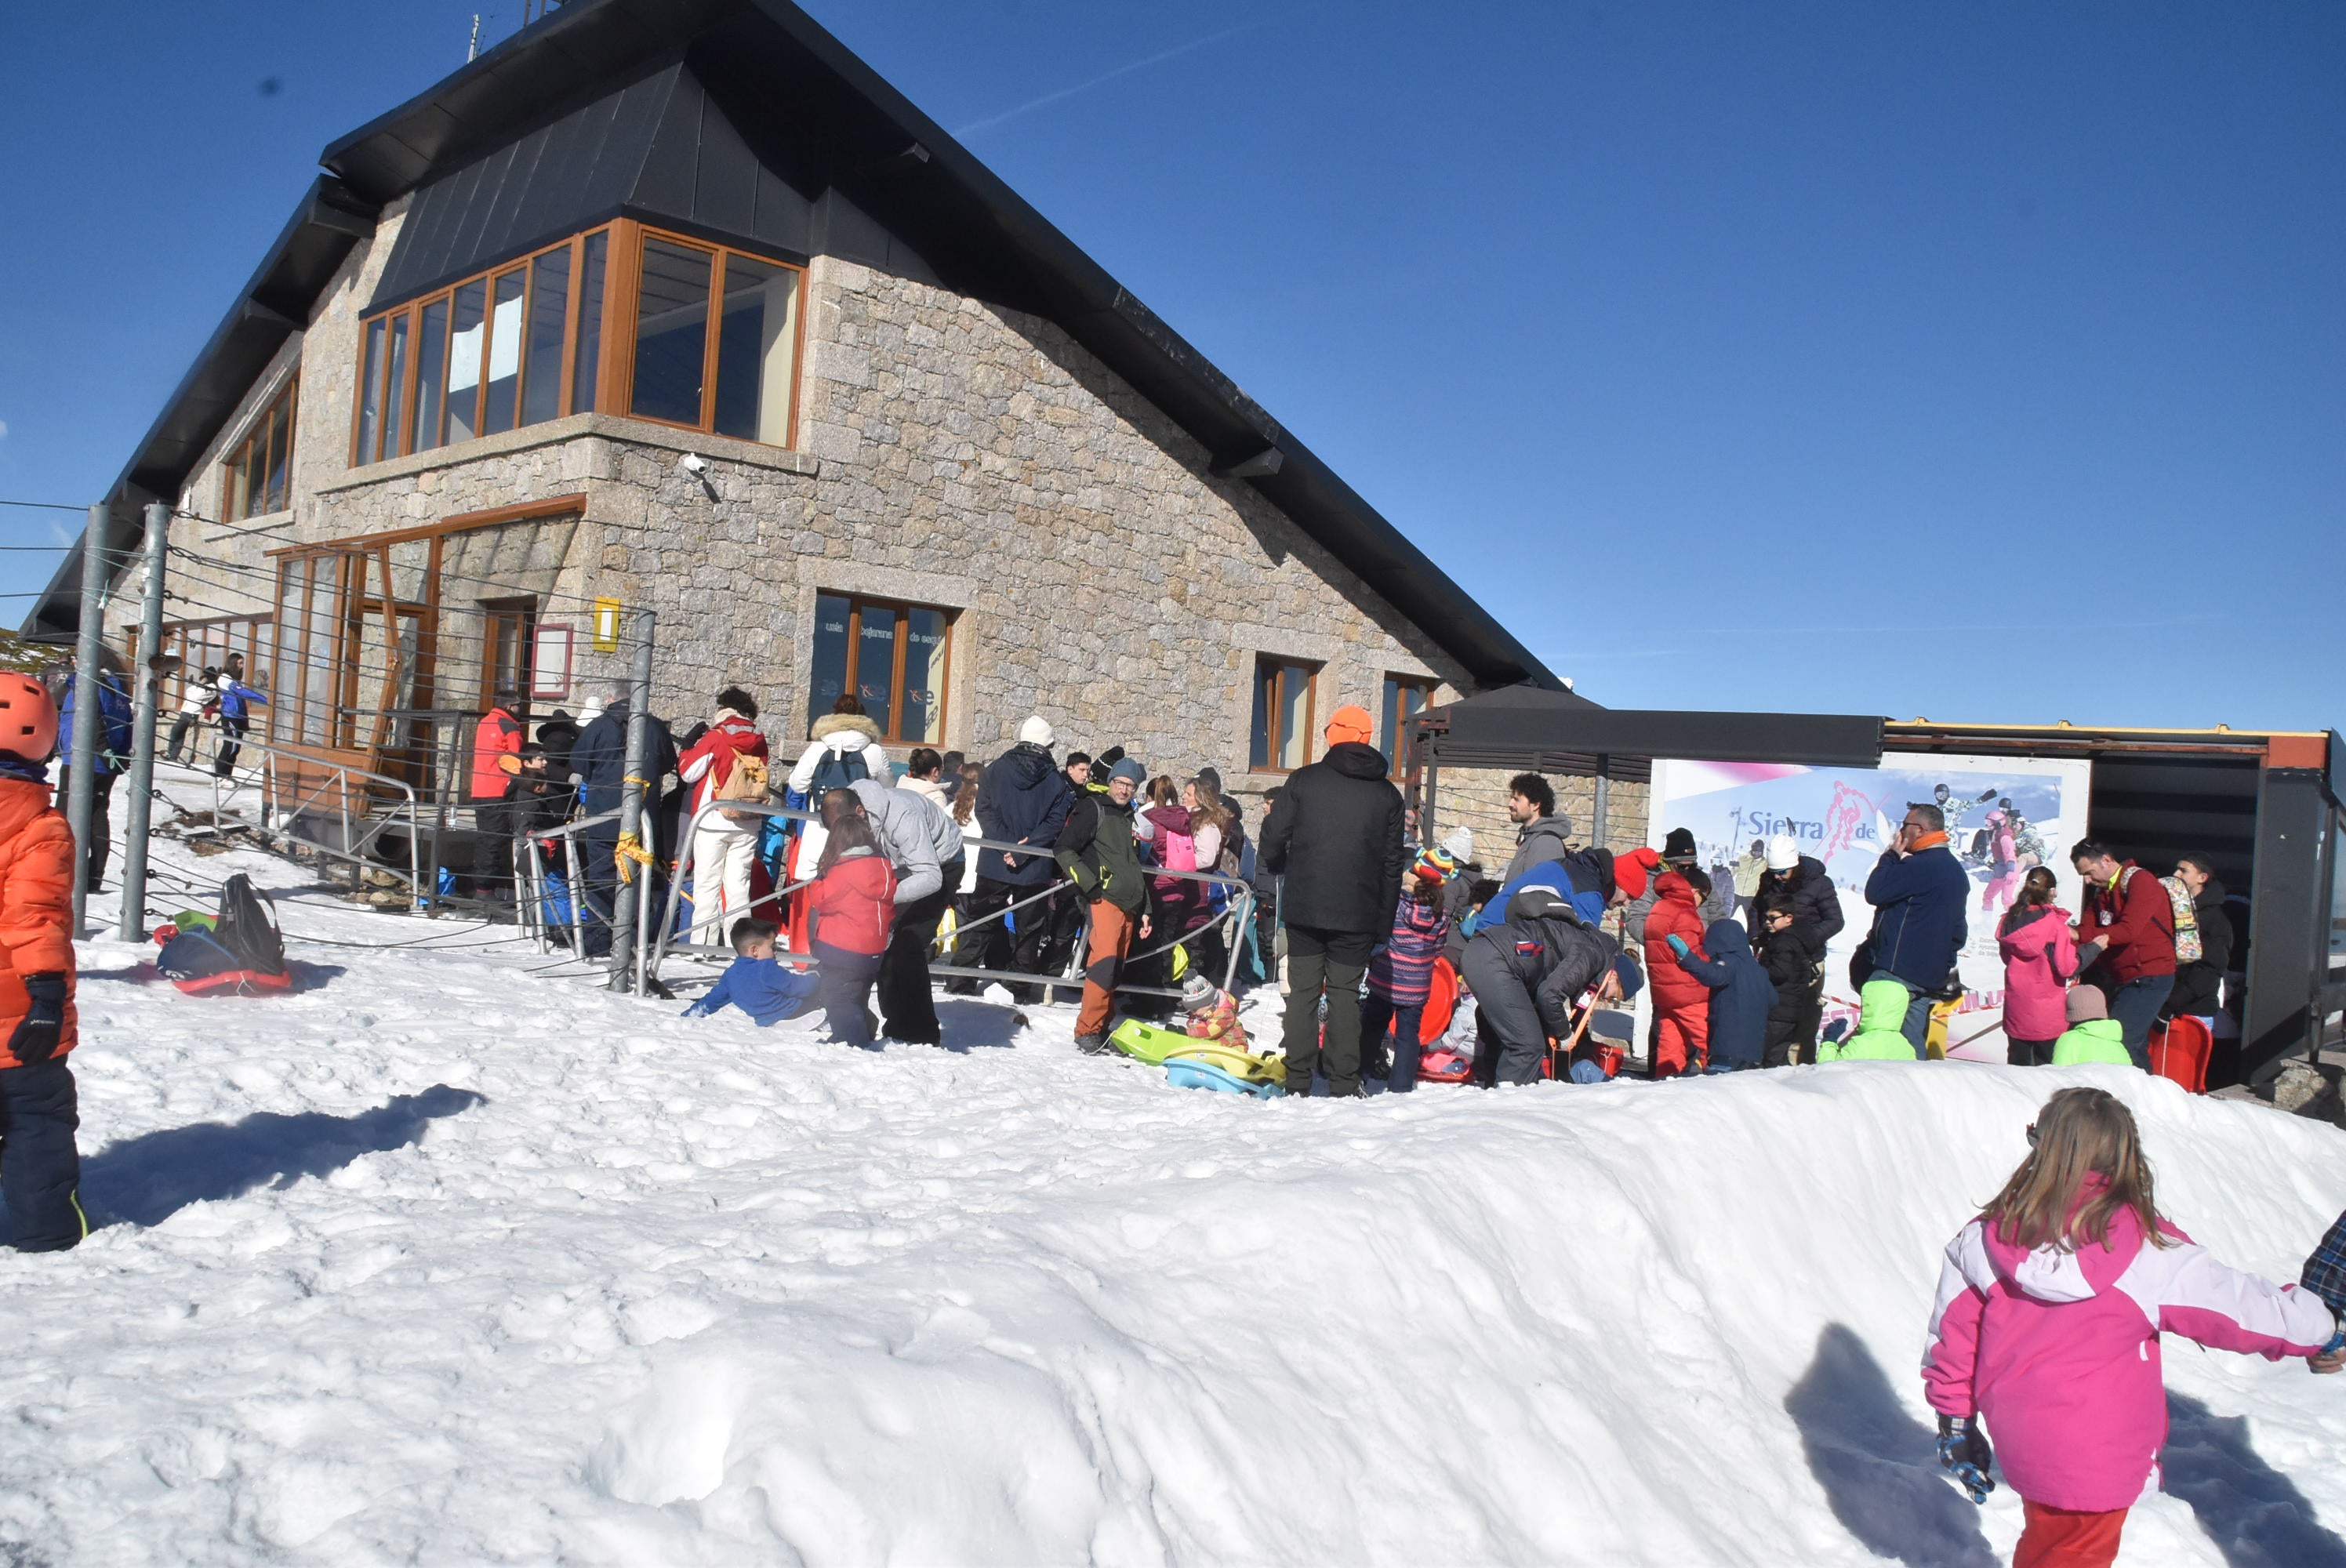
35 1039
1963 1451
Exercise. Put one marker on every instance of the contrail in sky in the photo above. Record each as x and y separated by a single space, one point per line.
1157 59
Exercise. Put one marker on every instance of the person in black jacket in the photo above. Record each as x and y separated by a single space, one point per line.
1803 879
1793 955
1336 838
599 762
1527 972
1022 800
558 732
2198 987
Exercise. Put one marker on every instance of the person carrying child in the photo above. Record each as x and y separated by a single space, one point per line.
851 905
1400 976
40 1169
1793 952
756 982
1682 1001
2047 1322
1735 1031
2040 960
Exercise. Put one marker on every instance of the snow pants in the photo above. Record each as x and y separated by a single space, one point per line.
722 855
40 1169
101 822
906 1004
1112 933
1681 1039
2063 1538
2019 1053
843 985
1513 1041
1407 1020
1331 964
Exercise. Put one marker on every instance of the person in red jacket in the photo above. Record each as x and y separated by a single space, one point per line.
2125 942
852 903
724 847
1682 1001
40 1169
497 738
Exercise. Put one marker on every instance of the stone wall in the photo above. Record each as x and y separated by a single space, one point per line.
1476 798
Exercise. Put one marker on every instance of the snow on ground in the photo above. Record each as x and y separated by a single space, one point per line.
441 1261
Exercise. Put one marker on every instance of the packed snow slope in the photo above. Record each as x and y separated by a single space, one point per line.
442 1261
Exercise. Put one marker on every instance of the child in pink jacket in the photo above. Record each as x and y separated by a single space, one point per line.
2040 958
2050 1308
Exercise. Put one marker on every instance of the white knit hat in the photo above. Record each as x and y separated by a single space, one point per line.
1460 843
1783 854
1036 731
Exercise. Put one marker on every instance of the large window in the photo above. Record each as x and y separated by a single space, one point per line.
891 655
261 466
1282 715
1405 698
624 319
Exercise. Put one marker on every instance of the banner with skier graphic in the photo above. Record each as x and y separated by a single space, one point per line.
2004 815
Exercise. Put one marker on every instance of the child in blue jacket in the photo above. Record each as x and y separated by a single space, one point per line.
1740 995
757 983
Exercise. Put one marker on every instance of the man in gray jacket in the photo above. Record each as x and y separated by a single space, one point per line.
1541 834
924 842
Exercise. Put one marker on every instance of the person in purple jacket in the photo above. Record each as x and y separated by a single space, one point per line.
2047 1325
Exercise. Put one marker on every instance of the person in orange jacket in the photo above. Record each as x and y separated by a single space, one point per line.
40 1168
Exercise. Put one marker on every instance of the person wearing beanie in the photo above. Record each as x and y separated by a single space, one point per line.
1023 800
1337 834
2094 1038
1679 847
1816 912
1401 978
1096 850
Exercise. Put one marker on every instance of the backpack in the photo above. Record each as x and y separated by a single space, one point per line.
2189 948
1181 850
746 781
837 770
247 929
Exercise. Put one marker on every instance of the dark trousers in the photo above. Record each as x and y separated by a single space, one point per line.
906 1007
1000 948
1406 1019
2136 1006
1780 1047
101 822
231 731
1511 1037
1330 963
492 842
2027 1052
843 985
598 875
179 727
40 1169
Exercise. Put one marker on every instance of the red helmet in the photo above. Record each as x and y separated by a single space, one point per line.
29 719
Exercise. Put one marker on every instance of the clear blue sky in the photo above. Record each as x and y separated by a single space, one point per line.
1982 361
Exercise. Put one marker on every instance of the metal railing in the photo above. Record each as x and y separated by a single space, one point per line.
359 832
1235 914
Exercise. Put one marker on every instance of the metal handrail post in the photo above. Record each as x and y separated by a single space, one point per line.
81 797
132 925
578 895
646 902
633 788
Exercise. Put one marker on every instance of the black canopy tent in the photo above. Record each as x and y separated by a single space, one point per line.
2265 804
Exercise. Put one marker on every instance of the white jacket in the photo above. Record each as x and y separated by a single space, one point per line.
835 735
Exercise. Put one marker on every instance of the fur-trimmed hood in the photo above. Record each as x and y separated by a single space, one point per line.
843 724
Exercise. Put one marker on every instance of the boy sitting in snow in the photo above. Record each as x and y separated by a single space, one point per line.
757 983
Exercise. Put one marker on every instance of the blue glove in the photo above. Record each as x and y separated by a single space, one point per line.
1678 946
1964 1453
36 1038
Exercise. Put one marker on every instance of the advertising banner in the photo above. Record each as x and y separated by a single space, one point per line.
2004 815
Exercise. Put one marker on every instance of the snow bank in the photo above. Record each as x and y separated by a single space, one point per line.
440 1262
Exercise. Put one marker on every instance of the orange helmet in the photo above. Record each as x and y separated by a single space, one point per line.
29 719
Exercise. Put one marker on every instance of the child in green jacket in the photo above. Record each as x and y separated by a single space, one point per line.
2094 1036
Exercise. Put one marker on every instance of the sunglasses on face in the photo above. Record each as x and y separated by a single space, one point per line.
2032 1135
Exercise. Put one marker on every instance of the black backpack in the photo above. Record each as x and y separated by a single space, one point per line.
836 771
247 928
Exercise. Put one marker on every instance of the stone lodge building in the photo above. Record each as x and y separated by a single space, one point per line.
673 304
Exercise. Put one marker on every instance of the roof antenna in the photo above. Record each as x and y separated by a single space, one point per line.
473 49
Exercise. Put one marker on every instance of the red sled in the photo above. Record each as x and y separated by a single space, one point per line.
237 982
2179 1050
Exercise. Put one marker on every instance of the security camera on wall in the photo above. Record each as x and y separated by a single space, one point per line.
693 463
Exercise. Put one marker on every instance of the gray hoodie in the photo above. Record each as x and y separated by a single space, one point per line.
918 838
1538 841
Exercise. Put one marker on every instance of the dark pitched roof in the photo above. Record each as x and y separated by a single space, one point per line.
819 119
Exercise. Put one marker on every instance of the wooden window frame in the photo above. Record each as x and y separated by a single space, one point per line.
620 355
521 610
1271 733
395 417
1391 720
902 608
236 467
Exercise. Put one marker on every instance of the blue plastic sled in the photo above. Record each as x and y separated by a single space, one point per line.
1186 1073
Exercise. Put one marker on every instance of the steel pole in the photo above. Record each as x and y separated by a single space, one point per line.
631 806
81 747
132 927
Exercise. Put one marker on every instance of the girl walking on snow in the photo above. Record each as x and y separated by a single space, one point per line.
2040 958
852 903
2049 1311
